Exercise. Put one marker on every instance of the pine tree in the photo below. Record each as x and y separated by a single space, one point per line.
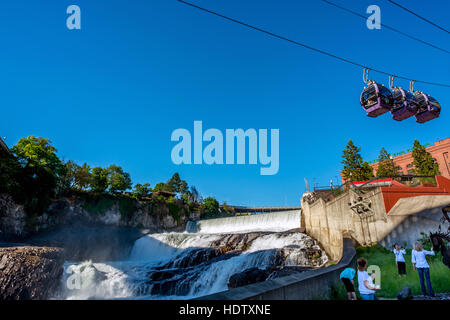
424 164
352 162
365 172
386 166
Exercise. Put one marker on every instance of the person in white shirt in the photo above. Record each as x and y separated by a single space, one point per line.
419 261
365 282
400 260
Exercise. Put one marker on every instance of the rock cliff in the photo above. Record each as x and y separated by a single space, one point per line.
156 216
30 272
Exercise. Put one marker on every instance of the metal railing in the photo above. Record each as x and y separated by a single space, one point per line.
359 188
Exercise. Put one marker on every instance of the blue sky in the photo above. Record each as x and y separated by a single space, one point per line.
114 91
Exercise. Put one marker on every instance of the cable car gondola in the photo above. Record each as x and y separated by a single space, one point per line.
428 107
405 103
376 99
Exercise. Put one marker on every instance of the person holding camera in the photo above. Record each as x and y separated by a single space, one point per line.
400 260
419 261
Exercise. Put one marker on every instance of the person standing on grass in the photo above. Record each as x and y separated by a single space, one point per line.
347 278
365 282
419 261
400 260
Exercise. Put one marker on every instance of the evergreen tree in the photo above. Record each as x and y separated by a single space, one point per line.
173 185
355 169
424 164
386 165
352 161
366 172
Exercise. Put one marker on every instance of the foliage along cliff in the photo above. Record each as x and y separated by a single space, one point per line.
156 214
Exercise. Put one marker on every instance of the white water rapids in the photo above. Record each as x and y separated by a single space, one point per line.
187 265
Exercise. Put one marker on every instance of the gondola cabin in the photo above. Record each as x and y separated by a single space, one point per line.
428 107
405 104
376 99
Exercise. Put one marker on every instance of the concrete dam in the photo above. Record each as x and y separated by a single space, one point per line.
274 222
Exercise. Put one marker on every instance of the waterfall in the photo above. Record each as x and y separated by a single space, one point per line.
274 221
192 264
191 226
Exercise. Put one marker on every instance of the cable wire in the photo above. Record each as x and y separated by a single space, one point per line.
420 17
387 27
309 47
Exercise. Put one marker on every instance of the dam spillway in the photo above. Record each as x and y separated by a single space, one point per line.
273 222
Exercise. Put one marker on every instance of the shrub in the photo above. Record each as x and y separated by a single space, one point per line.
99 206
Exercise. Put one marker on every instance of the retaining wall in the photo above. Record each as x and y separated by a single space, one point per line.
328 222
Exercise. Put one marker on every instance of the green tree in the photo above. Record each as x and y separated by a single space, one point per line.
183 187
117 179
141 190
424 164
67 180
39 173
352 161
83 176
11 176
38 152
173 184
386 165
366 172
161 187
99 179
227 208
355 169
210 207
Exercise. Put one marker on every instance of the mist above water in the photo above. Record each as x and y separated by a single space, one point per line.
187 265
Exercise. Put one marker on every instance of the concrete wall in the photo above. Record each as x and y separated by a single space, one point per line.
328 222
409 217
314 284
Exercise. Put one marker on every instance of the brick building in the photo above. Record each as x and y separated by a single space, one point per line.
440 152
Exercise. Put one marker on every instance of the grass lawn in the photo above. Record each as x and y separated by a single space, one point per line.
391 283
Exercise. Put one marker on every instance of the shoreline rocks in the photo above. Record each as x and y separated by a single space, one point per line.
30 273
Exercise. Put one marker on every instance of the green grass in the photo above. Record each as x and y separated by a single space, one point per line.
338 291
391 283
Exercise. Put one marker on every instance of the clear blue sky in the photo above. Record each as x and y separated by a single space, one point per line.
114 91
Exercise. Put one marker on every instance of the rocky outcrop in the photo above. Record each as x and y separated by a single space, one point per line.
187 271
249 276
254 275
156 216
13 219
287 271
405 294
30 272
